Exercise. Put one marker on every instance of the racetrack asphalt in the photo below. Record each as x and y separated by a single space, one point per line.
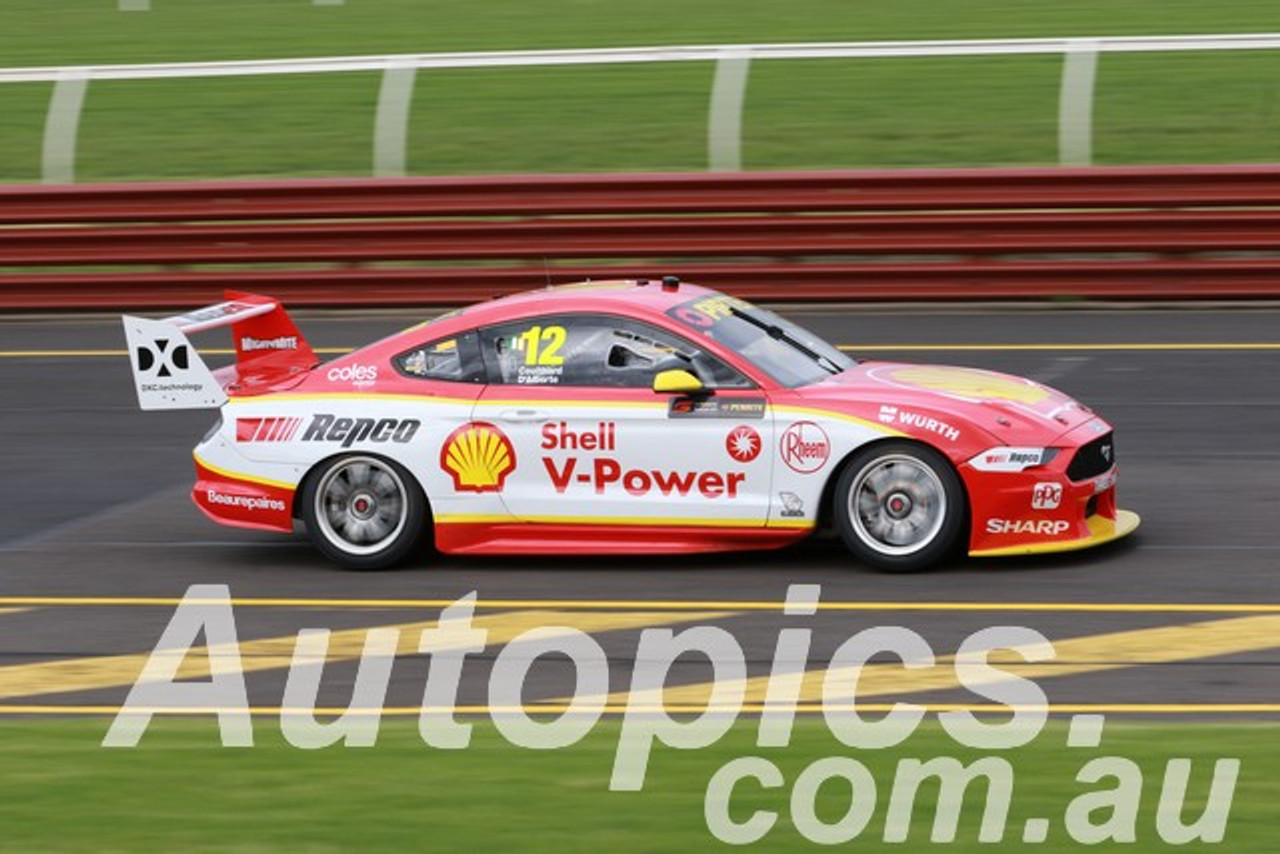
1184 617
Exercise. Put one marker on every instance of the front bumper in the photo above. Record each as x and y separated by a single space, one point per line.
1065 504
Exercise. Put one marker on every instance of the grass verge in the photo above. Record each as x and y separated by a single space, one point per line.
178 790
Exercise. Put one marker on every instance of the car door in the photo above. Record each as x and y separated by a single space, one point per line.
572 396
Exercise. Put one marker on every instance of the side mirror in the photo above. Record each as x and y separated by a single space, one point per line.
676 382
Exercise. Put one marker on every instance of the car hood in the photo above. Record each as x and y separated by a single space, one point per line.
1014 410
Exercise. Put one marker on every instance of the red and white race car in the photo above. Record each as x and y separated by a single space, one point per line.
624 418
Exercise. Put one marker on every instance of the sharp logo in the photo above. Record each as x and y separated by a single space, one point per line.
348 431
267 429
1042 527
158 357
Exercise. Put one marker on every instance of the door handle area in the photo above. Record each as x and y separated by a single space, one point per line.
523 416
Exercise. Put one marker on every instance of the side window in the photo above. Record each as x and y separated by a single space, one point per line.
455 359
595 350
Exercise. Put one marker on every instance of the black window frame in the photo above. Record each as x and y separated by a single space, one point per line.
470 359
494 370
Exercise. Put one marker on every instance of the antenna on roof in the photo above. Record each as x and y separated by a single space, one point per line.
546 268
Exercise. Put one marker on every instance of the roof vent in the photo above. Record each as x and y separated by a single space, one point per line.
671 283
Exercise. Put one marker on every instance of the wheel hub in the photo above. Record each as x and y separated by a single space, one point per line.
899 505
363 506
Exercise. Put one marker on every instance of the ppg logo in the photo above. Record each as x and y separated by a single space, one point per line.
1046 496
164 360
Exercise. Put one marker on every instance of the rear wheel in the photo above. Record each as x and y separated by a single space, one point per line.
364 512
899 507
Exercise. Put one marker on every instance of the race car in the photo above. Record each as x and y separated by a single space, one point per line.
624 417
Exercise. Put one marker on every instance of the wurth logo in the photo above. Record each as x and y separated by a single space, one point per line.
266 429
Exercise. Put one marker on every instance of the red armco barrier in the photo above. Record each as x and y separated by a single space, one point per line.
1104 232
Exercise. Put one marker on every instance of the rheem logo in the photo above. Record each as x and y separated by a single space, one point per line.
805 447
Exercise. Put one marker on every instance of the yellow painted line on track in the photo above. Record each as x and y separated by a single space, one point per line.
1073 656
657 605
615 709
276 653
1189 346
13 610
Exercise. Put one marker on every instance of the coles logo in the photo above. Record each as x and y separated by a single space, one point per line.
359 376
478 456
805 447
743 443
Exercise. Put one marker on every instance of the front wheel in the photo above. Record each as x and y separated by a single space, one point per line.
363 512
899 507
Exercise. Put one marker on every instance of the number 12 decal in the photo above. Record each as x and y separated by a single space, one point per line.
535 353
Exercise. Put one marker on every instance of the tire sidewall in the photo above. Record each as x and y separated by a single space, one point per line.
943 544
396 550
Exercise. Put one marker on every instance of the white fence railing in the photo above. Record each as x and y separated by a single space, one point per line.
724 126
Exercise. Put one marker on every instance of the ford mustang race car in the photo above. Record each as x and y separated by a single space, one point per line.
624 418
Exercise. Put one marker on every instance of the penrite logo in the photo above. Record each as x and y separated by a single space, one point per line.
284 342
1046 496
743 443
162 359
804 447
266 429
478 456
348 431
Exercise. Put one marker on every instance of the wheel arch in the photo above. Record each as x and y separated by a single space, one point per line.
826 504
316 467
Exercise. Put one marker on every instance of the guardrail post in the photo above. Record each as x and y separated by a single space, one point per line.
391 126
61 126
1075 103
724 128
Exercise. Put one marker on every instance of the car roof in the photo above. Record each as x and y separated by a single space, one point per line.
625 296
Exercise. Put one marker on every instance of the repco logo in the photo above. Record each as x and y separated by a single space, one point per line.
805 447
348 431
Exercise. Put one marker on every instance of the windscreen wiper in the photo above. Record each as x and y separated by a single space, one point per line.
777 333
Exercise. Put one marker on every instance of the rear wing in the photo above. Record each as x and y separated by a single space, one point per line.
168 373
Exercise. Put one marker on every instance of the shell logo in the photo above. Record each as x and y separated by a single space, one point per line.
478 456
971 383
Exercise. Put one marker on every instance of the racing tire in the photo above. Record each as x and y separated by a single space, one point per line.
899 507
364 512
